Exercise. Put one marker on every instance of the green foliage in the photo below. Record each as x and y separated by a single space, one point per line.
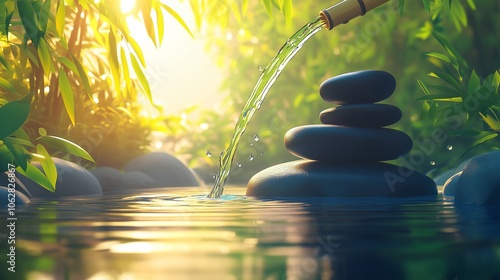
55 57
471 98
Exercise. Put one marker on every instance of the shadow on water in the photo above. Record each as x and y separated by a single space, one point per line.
183 235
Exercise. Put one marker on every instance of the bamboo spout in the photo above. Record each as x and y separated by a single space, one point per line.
347 10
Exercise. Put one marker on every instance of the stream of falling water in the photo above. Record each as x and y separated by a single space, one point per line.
265 82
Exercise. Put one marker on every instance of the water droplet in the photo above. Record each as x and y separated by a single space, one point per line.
260 68
250 157
449 147
238 164
214 176
433 163
256 138
261 153
208 153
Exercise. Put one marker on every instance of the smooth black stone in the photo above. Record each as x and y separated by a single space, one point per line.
72 180
165 169
479 183
361 115
303 178
334 143
367 86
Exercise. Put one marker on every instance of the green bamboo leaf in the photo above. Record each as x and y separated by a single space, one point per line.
493 123
18 153
401 6
137 49
28 20
195 7
113 61
452 51
447 78
485 138
65 146
440 97
148 20
160 22
423 87
48 166
60 18
287 11
83 76
37 176
236 11
472 5
5 64
474 83
16 112
142 78
10 7
68 63
427 4
125 68
67 94
496 80
178 18
7 86
269 7
18 141
3 16
244 7
439 56
45 57
43 16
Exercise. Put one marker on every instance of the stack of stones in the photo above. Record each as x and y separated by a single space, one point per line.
342 157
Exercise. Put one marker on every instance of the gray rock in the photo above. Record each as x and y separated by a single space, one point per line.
137 180
331 143
72 180
304 178
7 197
165 169
110 178
479 183
361 115
450 186
367 86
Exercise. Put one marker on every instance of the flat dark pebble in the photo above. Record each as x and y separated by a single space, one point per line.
332 143
367 86
361 115
303 178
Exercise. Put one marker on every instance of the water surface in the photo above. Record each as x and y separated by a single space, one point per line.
178 233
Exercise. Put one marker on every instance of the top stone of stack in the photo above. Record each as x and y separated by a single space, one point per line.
368 86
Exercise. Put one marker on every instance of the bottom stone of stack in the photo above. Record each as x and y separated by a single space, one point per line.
305 178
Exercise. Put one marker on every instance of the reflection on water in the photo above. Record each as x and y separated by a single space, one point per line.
181 234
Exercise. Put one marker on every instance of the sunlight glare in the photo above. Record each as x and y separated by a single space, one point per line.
126 6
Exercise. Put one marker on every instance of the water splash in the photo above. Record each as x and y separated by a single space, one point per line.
449 147
208 153
265 82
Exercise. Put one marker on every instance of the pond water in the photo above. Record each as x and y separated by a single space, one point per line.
178 233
